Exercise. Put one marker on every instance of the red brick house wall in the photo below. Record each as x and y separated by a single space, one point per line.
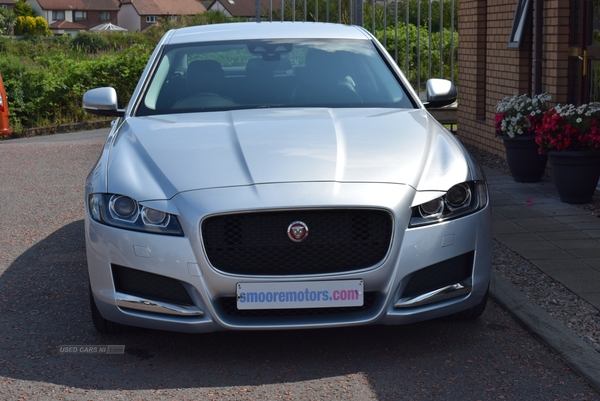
94 19
489 70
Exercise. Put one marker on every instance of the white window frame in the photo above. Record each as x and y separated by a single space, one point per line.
151 19
56 15
104 16
520 24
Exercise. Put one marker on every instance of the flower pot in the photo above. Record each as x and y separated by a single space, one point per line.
575 174
524 161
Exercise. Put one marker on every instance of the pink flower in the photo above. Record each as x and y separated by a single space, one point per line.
569 128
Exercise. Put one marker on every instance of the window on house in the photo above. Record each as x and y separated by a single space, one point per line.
4 6
58 15
104 15
151 19
520 24
80 15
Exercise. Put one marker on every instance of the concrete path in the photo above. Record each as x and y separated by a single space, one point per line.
563 241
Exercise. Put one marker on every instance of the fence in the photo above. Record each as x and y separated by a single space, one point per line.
420 34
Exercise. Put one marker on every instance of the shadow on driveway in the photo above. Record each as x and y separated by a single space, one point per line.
44 304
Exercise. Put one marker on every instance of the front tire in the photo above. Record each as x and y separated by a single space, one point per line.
103 325
471 313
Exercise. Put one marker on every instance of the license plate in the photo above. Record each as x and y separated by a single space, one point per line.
297 295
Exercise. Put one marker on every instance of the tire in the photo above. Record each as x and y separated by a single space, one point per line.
471 313
103 325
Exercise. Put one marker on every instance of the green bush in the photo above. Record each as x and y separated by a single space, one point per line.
45 79
45 87
90 42
34 26
23 9
421 58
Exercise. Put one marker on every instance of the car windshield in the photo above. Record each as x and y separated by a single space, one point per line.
271 73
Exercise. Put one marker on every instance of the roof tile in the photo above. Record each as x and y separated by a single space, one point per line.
109 5
66 25
167 7
247 8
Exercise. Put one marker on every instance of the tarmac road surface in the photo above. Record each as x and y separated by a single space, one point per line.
44 305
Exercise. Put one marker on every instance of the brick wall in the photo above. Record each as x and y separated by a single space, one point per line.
489 70
556 49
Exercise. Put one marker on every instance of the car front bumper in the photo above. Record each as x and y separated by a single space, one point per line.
404 287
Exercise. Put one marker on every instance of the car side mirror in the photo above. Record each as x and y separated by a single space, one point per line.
102 102
440 93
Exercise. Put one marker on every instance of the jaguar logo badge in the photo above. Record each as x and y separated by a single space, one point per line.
297 231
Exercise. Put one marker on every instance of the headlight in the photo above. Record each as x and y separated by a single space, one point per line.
124 212
460 200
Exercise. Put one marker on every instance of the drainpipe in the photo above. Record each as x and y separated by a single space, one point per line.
538 46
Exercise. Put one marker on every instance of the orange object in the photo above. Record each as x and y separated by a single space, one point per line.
5 128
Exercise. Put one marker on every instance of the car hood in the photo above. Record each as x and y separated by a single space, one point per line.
160 156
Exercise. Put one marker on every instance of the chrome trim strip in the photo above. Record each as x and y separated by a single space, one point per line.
132 302
441 294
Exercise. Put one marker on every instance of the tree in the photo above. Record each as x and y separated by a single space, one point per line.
8 19
34 26
23 9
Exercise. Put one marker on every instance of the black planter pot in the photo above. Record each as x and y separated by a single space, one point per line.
524 161
575 174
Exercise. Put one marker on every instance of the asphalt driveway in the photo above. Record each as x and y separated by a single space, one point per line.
44 305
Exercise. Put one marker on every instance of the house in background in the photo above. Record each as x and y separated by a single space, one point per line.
244 9
73 16
7 4
510 47
139 15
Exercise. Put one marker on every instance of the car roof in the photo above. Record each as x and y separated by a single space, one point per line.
265 30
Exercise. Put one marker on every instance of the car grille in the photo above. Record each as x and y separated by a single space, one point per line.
149 285
258 244
229 306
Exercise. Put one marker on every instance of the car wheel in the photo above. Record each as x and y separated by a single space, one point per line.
471 313
103 325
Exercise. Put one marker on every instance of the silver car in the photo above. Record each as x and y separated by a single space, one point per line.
281 176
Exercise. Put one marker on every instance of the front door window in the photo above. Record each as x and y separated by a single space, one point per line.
593 53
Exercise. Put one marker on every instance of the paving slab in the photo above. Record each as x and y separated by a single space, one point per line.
544 224
593 299
594 262
510 238
557 208
583 217
508 201
549 265
563 235
578 243
579 281
592 233
521 211
585 252
506 226
586 225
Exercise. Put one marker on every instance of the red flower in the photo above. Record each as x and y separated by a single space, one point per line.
569 128
498 121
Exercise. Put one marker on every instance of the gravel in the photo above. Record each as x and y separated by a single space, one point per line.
568 308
